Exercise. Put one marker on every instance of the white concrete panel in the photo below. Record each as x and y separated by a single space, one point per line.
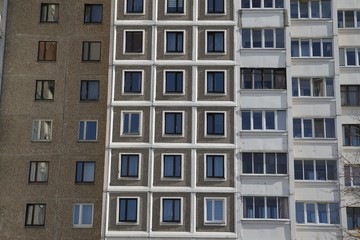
349 75
262 58
263 142
316 232
265 230
314 107
302 67
264 186
349 37
350 115
262 19
266 99
348 4
315 149
316 191
311 29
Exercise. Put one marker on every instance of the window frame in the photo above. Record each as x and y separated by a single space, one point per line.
89 51
309 11
182 133
296 82
264 164
350 174
126 12
213 50
127 222
314 170
313 128
178 33
224 173
123 113
265 208
264 122
176 12
42 97
162 212
172 178
343 57
215 12
47 5
43 57
48 137
224 127
215 92
355 214
316 213
165 79
33 205
262 5
34 179
342 15
80 217
132 71
133 31
310 42
86 94
212 222
128 177
350 132
82 174
262 38
90 6
84 137
276 74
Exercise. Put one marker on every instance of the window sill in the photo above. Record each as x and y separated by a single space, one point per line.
311 19
260 131
175 14
221 224
170 94
171 223
260 91
251 49
172 179
41 141
133 53
127 223
313 99
317 182
87 141
317 58
265 220
82 226
317 225
129 178
130 135
259 175
317 140
169 135
207 179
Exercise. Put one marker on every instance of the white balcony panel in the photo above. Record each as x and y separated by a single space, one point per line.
315 149
314 107
262 19
349 37
311 29
262 58
302 67
263 99
263 141
349 75
318 232
264 186
266 230
350 115
306 191
349 4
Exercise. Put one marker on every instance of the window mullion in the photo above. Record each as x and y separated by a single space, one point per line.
80 214
314 167
265 207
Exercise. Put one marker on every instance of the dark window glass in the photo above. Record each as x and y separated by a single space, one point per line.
175 6
35 215
172 166
85 172
171 210
89 90
91 51
174 42
133 42
132 83
93 13
87 131
134 6
173 123
49 12
215 82
215 124
45 90
128 208
174 82
215 42
129 165
38 172
215 166
215 6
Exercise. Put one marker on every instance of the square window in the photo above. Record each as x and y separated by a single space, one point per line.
91 51
85 172
93 13
215 42
174 42
42 130
174 82
175 6
215 210
39 172
83 215
134 41
47 51
35 215
87 130
172 165
89 90
134 6
215 6
215 166
129 165
215 82
128 210
49 12
173 123
171 210
131 123
132 82
215 124
45 90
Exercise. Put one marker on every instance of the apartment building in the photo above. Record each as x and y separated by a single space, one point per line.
53 119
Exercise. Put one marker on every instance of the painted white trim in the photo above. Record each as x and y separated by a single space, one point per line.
141 81
118 210
164 124
183 82
206 82
124 42
181 211
224 210
139 166
122 115
214 179
182 170
175 14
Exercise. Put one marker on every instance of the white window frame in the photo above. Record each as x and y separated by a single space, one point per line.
166 8
263 120
317 223
118 209
313 128
356 25
206 41
143 42
343 55
36 137
212 179
262 5
265 208
139 166
315 171
224 210
206 82
324 79
206 8
164 124
181 211
181 170
122 123
83 139
183 82
309 11
310 40
81 225
124 71
264 164
263 38
133 13
225 125
184 41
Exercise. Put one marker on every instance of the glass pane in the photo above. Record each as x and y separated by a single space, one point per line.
245 120
349 19
258 163
327 48
279 3
89 172
280 38
320 170
281 119
326 8
79 171
269 38
131 210
297 128
256 34
310 213
281 163
330 127
258 79
270 120
322 215
245 3
340 19
218 205
304 9
342 57
246 79
268 78
76 216
271 207
268 3
248 207
305 48
332 170
295 87
308 128
316 48
295 48
334 213
294 9
33 166
87 214
350 57
246 42
247 162
209 207
42 171
309 170
259 207
329 87
315 9
256 3
319 128
270 163
257 120
298 165
356 174
91 130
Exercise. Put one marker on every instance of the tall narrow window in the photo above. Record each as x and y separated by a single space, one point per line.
38 172
132 82
47 51
49 12
174 82
353 217
45 90
93 13
215 124
215 82
89 90
91 51
172 166
173 123
215 166
127 210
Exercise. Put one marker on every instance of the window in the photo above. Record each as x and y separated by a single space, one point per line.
310 9
132 82
45 90
348 19
91 51
128 210
171 210
215 166
266 207
49 12
263 38
89 90
83 215
263 78
317 213
352 174
172 165
215 82
174 82
215 211
351 135
87 130
173 123
38 172
35 214
47 51
85 172
350 95
349 57
134 6
175 6
353 218
42 130
174 42
215 124
133 41
262 4
314 128
93 13
319 170
311 48
313 87
215 6
129 165
264 120
131 123
264 163
215 42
